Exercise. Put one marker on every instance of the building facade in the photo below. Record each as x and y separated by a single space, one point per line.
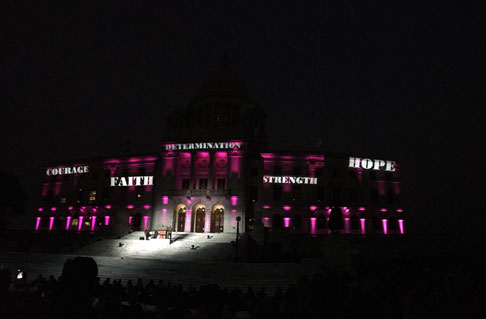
214 165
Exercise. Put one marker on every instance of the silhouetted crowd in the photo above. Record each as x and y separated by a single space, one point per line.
415 288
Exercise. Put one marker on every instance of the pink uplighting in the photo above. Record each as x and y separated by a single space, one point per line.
361 209
347 229
165 200
53 209
80 225
287 208
266 206
95 209
93 222
68 222
399 210
108 206
40 209
187 226
130 220
146 206
286 222
164 216
312 225
145 222
400 225
51 222
37 223
207 222
234 200
313 207
266 221
70 208
385 226
363 225
383 210
233 210
130 206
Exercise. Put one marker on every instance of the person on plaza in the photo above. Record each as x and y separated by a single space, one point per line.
147 234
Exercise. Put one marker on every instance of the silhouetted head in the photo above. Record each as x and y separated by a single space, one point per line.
79 276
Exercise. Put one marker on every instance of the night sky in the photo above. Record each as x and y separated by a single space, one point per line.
388 79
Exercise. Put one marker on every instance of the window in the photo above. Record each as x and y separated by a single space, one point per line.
390 196
125 172
352 195
62 200
221 183
107 173
296 222
354 222
254 193
123 193
185 183
141 171
372 175
106 194
296 170
203 183
336 194
94 175
80 195
92 196
374 195
50 197
321 221
352 173
388 176
277 192
277 170
319 171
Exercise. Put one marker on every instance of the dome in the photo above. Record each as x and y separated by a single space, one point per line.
224 83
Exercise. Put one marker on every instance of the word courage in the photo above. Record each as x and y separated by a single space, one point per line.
67 170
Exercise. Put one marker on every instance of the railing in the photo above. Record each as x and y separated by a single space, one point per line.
200 192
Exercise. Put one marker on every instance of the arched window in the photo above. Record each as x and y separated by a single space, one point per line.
277 221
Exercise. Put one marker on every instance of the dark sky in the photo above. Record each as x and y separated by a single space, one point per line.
385 79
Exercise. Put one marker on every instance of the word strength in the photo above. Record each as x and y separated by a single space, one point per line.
203 146
375 164
289 180
132 181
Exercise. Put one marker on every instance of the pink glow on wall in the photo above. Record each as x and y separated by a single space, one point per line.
40 209
130 206
189 202
207 221
51 222
148 188
45 188
145 222
131 188
130 220
234 200
267 155
286 222
312 208
37 223
399 210
396 188
108 206
187 226
80 224
94 209
93 222
107 220
70 208
381 187
165 200
68 222
266 222
347 229
363 225
286 187
83 208
312 225
164 216
57 188
53 209
169 165
287 208
400 225
233 210
383 210
385 226
235 165
146 206
362 209
266 206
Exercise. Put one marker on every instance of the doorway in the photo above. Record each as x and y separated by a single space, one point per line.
200 220
180 218
217 219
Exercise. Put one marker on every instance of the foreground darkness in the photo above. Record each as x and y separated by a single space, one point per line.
383 80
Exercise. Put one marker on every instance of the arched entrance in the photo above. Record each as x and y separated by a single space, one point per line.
179 218
217 219
199 212
136 222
